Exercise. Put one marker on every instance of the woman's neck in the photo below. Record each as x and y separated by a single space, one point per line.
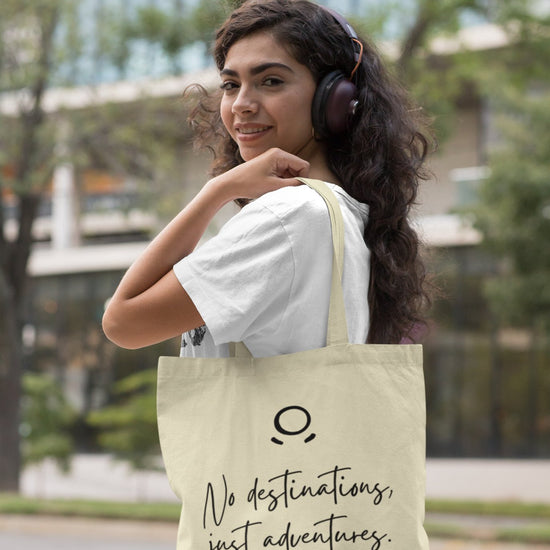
319 169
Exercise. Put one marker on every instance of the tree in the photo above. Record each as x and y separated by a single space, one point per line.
512 212
513 215
26 38
439 81
41 45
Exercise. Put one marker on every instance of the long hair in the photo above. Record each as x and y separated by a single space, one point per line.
379 161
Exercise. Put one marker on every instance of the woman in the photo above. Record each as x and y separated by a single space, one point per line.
265 278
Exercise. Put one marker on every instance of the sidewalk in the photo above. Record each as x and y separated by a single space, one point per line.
480 479
101 478
45 533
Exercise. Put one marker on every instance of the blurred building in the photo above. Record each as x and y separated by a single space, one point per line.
90 231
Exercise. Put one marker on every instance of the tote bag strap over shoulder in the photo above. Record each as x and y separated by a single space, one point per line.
337 330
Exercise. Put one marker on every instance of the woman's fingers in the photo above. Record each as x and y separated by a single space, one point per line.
272 170
288 165
267 172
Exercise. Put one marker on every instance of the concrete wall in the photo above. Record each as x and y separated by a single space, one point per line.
462 149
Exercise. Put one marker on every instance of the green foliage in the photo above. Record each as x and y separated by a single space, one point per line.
514 209
137 511
207 16
26 56
171 30
23 28
47 419
129 427
437 82
147 150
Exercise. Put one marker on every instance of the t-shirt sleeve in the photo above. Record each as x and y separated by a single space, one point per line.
240 280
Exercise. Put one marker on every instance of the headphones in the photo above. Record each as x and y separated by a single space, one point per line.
336 96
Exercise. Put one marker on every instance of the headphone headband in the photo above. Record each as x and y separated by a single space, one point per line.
350 31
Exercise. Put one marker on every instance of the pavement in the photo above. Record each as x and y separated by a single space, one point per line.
102 478
481 479
52 533
55 533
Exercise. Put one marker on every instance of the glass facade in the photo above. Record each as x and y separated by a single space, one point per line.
62 336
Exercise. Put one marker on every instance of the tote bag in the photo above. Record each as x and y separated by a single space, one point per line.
322 449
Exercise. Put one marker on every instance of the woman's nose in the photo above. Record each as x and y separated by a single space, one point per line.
245 102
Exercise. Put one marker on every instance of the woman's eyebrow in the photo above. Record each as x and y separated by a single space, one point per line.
258 69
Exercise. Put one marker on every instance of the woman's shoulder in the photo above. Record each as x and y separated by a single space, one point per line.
306 204
291 202
288 214
285 213
299 210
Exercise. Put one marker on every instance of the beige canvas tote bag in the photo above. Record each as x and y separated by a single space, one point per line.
323 449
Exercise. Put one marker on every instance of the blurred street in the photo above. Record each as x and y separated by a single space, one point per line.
49 533
43 533
99 477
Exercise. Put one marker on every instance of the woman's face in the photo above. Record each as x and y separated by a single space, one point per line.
267 98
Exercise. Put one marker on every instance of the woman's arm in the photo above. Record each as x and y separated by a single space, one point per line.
150 305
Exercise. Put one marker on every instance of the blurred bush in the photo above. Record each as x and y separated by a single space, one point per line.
128 428
46 422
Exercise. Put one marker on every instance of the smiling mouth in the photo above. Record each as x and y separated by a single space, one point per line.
250 131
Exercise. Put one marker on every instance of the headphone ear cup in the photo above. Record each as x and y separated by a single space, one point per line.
333 105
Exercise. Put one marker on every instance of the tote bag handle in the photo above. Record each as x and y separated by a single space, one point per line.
337 329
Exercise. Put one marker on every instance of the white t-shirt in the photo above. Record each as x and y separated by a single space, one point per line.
265 278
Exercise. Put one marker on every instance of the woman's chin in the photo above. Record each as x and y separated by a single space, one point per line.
248 154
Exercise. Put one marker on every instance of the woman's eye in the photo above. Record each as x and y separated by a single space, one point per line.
228 85
272 81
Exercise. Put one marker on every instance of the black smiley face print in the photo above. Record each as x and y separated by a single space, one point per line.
292 421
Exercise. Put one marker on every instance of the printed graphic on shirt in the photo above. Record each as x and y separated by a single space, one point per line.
194 337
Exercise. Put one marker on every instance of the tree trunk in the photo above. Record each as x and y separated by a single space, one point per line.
532 394
495 393
13 262
11 360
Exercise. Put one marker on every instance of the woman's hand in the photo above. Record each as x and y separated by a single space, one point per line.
267 172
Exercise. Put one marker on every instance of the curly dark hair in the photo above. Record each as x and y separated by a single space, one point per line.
379 161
